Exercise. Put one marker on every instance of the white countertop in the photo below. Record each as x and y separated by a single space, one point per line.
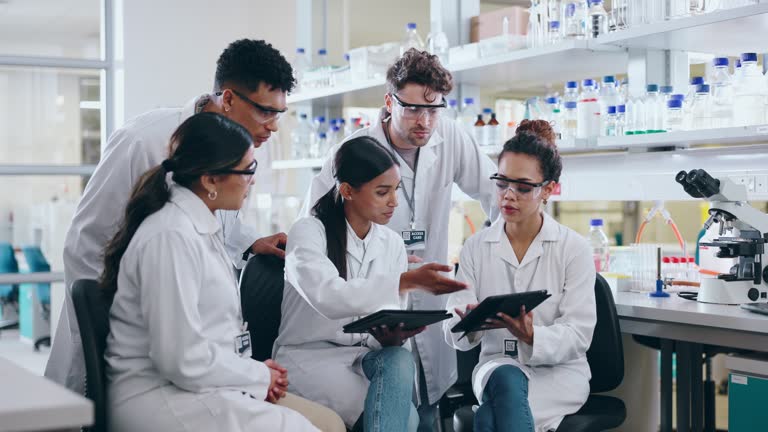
32 403
681 311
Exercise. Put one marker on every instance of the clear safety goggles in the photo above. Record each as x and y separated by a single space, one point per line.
525 191
417 111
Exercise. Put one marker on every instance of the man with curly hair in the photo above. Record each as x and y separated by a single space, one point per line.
434 153
250 87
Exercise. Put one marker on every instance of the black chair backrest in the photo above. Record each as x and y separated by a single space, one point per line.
261 294
606 353
92 311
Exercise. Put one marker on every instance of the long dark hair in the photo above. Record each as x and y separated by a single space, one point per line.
357 162
204 143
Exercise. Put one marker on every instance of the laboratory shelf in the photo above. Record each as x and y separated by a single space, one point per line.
516 70
527 68
724 32
721 137
358 93
297 164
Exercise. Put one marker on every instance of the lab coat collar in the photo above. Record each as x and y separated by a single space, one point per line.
190 108
200 215
365 249
427 154
550 232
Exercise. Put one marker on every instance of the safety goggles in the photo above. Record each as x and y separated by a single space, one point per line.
263 114
525 191
247 173
416 111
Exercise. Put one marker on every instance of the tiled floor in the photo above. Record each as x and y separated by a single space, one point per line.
22 353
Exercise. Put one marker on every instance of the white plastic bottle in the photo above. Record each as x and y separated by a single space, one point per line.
574 18
485 133
322 145
323 68
437 43
654 110
674 117
598 240
588 122
610 121
722 94
571 93
468 117
300 65
701 109
411 39
621 120
452 112
301 138
609 96
750 96
598 19
554 33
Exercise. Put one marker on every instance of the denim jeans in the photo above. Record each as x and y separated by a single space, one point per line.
505 404
388 404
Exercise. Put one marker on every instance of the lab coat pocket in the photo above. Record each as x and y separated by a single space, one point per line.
190 410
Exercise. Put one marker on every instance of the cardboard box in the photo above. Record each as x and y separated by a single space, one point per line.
488 24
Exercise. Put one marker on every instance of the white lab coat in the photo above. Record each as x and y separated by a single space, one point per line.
171 360
140 145
323 362
449 157
559 260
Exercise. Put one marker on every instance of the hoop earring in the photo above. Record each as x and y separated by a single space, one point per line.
545 202
212 195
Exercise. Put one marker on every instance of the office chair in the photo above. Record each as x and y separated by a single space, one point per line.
92 311
606 362
9 294
261 296
38 264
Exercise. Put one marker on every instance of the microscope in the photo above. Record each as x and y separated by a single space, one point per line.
743 233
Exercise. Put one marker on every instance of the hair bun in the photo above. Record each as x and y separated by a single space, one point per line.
540 128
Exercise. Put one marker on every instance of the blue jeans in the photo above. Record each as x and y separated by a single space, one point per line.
505 404
388 406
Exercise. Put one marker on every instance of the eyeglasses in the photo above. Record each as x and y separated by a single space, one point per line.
264 114
247 173
416 111
525 191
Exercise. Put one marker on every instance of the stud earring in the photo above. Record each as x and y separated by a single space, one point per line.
212 195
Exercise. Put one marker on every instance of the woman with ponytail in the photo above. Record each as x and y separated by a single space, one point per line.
176 353
341 264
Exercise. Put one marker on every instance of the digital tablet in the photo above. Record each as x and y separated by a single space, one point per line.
506 303
412 319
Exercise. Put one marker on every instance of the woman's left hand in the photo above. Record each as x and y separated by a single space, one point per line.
520 327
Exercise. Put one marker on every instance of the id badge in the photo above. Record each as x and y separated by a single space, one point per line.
414 239
510 348
243 344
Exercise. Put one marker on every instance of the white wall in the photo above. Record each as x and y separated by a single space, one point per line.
171 46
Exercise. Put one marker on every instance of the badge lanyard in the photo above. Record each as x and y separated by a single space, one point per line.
410 199
220 246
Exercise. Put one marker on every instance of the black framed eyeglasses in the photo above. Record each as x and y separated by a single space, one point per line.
265 114
523 189
415 111
250 171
